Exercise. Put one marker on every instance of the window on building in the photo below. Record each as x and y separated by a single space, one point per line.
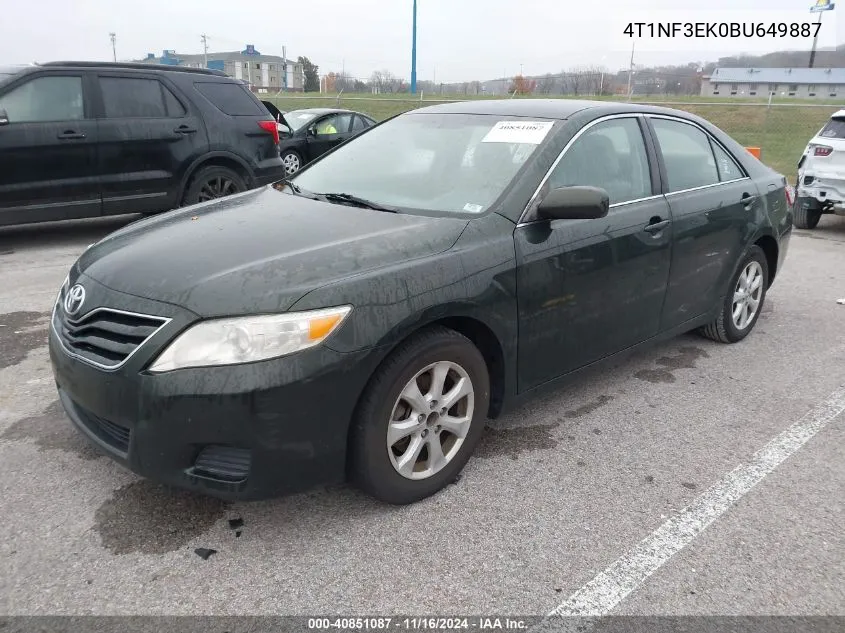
832 89
272 66
734 88
45 99
811 90
773 88
231 98
127 98
272 80
715 89
793 88
687 154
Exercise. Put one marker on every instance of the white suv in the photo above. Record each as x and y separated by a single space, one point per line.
821 175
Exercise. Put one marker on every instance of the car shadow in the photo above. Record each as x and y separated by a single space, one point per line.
72 233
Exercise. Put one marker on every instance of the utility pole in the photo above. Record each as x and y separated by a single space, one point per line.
284 67
414 53
204 39
631 69
113 37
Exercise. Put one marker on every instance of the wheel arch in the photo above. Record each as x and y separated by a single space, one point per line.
769 245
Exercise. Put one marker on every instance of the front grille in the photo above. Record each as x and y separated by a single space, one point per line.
105 337
112 434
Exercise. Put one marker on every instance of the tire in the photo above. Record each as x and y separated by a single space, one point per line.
805 213
213 182
726 329
292 161
374 463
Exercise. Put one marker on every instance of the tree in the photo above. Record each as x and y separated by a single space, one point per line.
522 85
331 82
312 74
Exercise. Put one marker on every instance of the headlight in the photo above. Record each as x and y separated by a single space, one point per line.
59 296
248 339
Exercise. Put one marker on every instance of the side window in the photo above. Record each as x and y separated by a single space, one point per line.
687 154
125 98
231 98
728 169
173 105
610 155
336 124
45 99
358 124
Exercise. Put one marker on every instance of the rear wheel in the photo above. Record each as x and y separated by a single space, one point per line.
420 417
806 213
744 301
292 162
213 182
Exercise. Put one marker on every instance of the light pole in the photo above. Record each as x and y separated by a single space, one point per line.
113 37
820 7
414 53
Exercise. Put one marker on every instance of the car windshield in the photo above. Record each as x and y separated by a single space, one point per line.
298 119
446 163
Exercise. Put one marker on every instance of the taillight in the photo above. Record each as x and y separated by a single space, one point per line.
822 150
790 195
272 127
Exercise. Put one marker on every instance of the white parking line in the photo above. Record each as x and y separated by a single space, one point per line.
610 587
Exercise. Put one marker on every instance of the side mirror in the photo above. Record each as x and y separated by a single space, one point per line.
312 131
574 203
4 118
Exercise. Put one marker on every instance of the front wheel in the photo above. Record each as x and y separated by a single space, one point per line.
420 417
744 301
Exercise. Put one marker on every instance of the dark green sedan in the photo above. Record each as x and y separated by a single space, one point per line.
362 320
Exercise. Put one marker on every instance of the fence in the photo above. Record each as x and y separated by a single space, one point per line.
780 130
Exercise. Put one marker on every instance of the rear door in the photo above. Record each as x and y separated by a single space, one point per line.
590 288
148 137
328 132
713 205
48 149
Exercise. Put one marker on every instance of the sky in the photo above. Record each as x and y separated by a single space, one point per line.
457 40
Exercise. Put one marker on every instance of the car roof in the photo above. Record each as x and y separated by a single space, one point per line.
546 108
81 65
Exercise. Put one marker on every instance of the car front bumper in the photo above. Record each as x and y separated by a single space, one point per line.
239 432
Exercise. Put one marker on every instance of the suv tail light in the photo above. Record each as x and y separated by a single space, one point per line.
822 150
272 127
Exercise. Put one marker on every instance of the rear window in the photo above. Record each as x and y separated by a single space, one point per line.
835 128
231 99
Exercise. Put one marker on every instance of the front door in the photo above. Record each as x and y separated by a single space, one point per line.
148 136
48 150
589 288
327 133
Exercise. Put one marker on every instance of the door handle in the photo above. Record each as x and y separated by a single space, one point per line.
656 227
747 199
185 129
70 134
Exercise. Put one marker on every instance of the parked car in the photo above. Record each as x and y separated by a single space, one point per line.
363 318
821 174
83 139
311 132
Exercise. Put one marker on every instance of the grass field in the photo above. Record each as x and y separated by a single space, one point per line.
781 131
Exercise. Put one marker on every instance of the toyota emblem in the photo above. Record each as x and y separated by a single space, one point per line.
74 299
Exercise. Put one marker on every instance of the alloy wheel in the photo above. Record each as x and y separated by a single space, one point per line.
291 163
217 187
430 420
747 295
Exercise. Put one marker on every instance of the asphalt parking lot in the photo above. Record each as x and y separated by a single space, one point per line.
552 507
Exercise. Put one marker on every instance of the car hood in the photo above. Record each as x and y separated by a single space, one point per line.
258 251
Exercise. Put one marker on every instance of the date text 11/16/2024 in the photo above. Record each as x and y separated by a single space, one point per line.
726 30
416 624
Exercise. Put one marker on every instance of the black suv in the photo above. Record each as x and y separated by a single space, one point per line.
82 139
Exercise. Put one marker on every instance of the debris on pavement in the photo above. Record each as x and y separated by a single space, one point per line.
234 524
204 553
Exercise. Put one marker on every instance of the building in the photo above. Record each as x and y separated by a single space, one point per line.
802 83
264 73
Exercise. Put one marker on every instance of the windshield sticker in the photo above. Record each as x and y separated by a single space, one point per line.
473 208
532 132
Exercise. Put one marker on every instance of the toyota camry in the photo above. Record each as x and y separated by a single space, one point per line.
362 319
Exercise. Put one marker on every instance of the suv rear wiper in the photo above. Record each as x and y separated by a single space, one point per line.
356 201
